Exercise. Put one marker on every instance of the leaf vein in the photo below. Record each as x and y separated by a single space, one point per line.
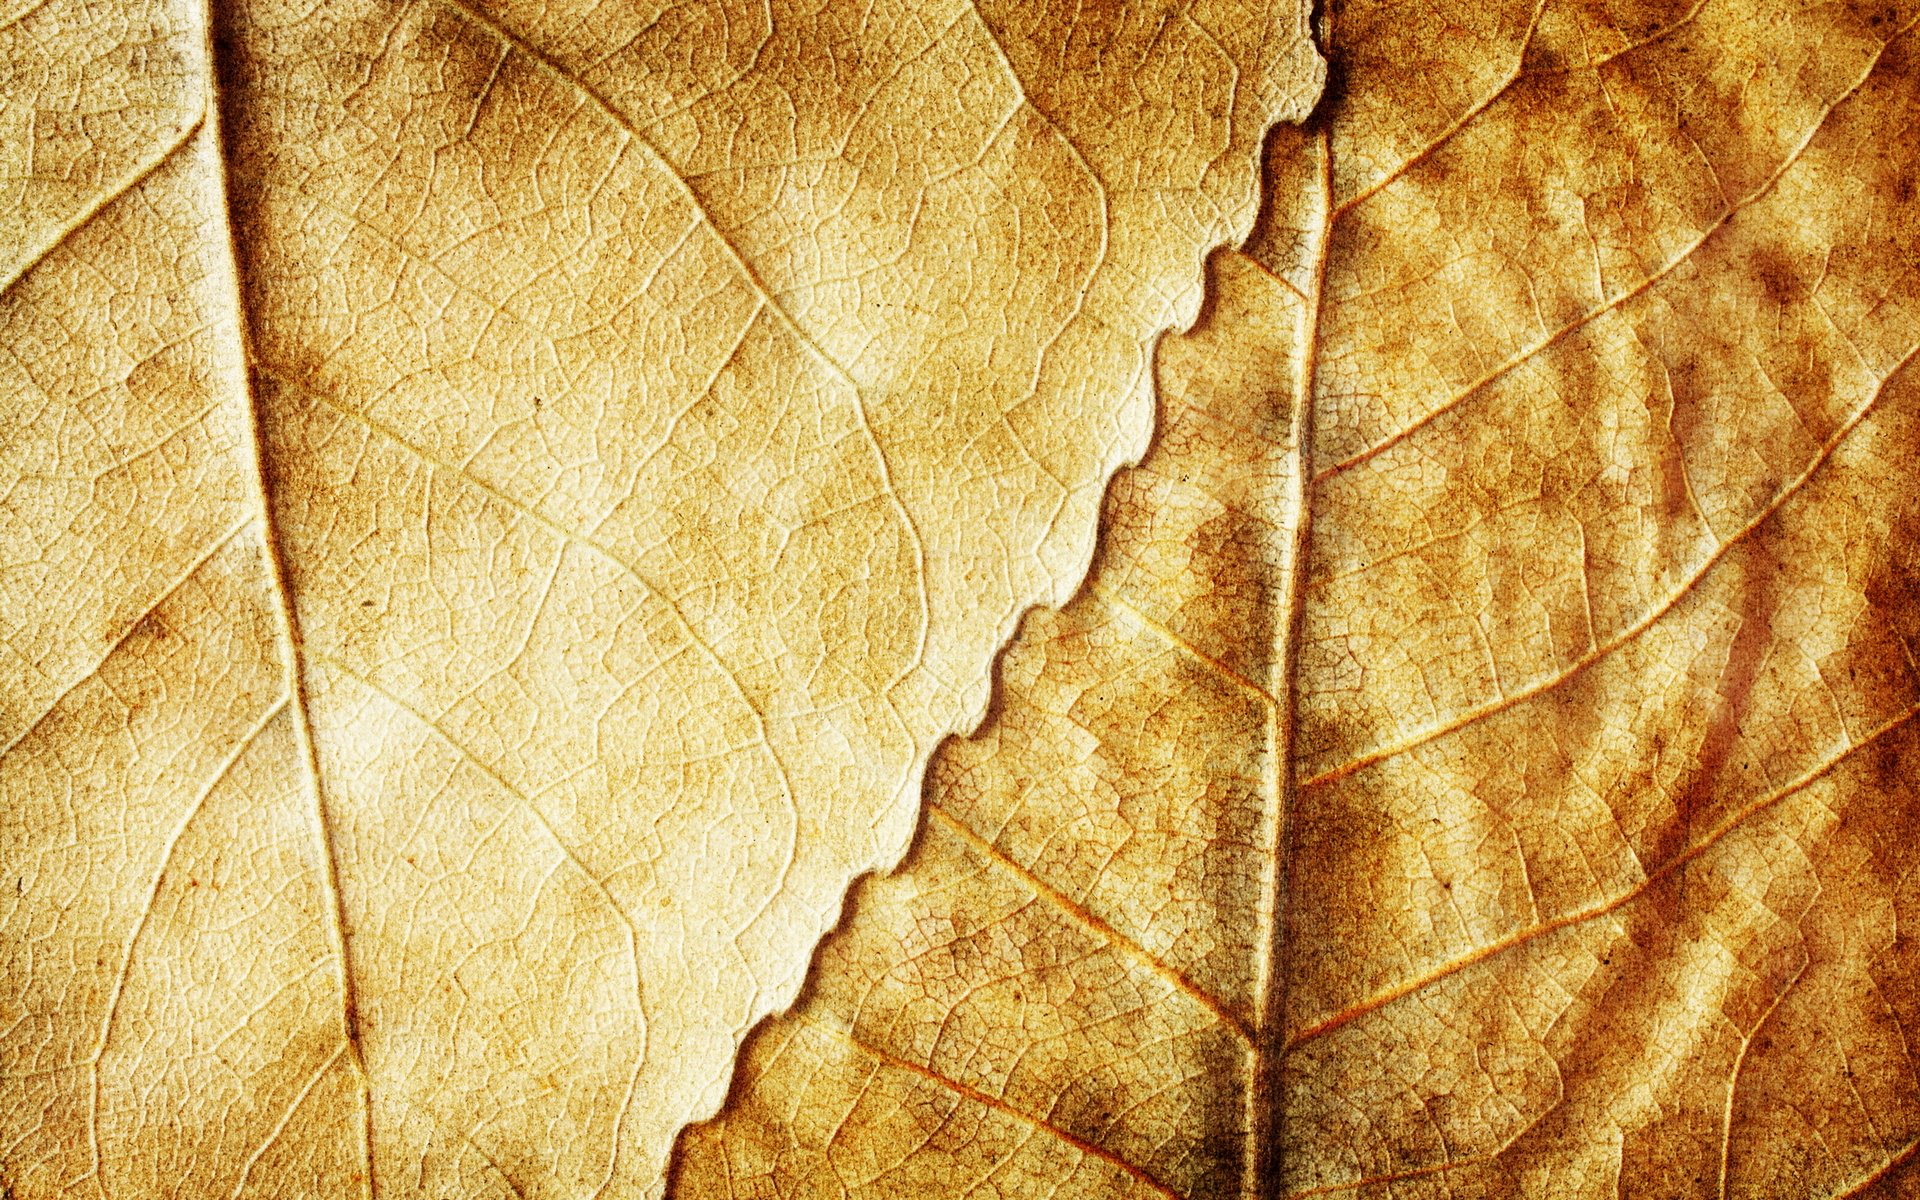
1592 912
84 215
1897 1160
1187 648
286 620
179 831
998 1105
572 537
752 278
1086 917
147 608
1647 620
286 1119
1686 253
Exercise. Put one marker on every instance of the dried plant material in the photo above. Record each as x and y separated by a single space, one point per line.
498 502
1483 760
1058 992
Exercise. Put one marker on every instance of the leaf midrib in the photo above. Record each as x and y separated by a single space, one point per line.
286 625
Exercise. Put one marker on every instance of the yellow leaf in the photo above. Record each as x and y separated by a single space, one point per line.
498 502
1482 762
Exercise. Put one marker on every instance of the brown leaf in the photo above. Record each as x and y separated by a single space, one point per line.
1482 761
498 502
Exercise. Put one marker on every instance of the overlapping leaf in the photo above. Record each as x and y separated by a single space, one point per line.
496 502
1497 780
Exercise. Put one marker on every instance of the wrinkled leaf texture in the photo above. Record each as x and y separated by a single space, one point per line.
499 501
1482 762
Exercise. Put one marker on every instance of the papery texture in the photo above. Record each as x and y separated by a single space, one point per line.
497 504
1483 762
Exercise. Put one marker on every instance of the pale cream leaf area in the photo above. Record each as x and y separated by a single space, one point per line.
1483 760
498 504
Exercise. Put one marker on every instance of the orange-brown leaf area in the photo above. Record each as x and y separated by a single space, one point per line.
1482 762
1057 993
499 501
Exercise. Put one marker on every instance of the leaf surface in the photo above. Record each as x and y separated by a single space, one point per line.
1482 760
497 504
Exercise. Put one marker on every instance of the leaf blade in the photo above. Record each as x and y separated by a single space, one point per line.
603 530
1607 676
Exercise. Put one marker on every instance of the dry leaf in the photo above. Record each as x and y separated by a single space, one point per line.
1483 760
497 504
